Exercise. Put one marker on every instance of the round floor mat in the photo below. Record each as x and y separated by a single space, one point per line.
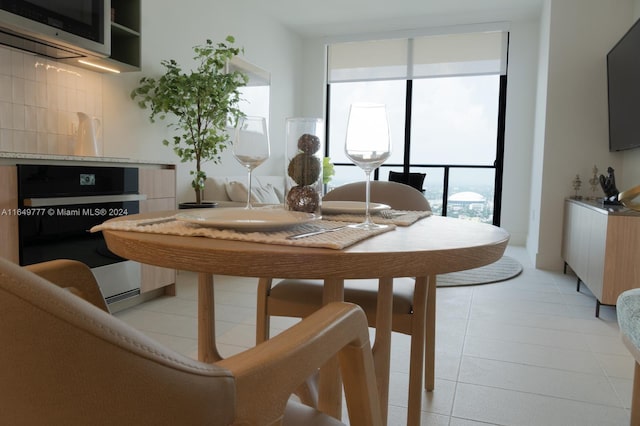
503 269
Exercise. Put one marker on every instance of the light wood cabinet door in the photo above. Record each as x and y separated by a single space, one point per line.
622 264
9 244
159 185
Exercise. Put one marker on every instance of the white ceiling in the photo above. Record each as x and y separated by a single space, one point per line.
313 18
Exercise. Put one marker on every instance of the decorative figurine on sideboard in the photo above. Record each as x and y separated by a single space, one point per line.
593 182
577 183
608 185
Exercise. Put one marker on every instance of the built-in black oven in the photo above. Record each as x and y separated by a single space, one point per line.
58 205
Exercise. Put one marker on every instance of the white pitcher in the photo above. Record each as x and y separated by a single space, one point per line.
87 141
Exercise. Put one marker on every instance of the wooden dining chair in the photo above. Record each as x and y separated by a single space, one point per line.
299 298
68 362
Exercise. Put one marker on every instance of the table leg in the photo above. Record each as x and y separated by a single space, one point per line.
329 382
430 355
207 350
418 346
262 319
382 343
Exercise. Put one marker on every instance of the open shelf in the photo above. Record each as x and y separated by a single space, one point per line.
125 39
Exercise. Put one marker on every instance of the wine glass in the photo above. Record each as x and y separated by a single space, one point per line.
251 146
368 145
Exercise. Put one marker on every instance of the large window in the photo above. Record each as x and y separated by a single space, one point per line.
391 93
444 97
454 120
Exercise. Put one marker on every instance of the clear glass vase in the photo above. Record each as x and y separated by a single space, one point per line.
303 165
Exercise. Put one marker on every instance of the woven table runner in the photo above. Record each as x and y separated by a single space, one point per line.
334 240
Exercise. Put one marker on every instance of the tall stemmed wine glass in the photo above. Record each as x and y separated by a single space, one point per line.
251 146
368 145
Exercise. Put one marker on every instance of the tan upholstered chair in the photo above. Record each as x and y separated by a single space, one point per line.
299 298
397 195
73 276
66 362
628 313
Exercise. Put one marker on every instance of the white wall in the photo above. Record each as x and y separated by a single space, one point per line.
537 154
572 126
315 78
521 90
169 31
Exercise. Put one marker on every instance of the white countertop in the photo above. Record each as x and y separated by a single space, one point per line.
608 209
11 157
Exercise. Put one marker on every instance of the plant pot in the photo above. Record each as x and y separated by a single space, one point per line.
194 205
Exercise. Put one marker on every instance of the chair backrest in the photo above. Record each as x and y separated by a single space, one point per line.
67 361
397 195
73 276
415 180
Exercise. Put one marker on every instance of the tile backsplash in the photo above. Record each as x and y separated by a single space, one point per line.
39 102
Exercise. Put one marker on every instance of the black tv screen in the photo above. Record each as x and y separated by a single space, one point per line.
623 78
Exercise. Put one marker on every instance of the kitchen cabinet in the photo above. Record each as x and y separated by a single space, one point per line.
159 185
125 39
125 34
601 244
8 213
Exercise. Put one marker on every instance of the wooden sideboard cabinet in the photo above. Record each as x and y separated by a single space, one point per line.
159 185
601 244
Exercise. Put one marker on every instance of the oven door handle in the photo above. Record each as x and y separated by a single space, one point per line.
89 199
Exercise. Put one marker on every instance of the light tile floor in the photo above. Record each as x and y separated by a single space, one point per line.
528 351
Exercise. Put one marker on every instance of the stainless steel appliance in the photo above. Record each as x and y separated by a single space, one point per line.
61 29
59 204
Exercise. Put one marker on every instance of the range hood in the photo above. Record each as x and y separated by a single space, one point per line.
50 39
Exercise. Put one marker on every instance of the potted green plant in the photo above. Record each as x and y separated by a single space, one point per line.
200 105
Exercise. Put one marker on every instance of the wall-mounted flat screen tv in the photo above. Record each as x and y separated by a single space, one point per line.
623 78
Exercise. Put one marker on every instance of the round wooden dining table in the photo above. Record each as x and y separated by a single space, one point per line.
433 245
